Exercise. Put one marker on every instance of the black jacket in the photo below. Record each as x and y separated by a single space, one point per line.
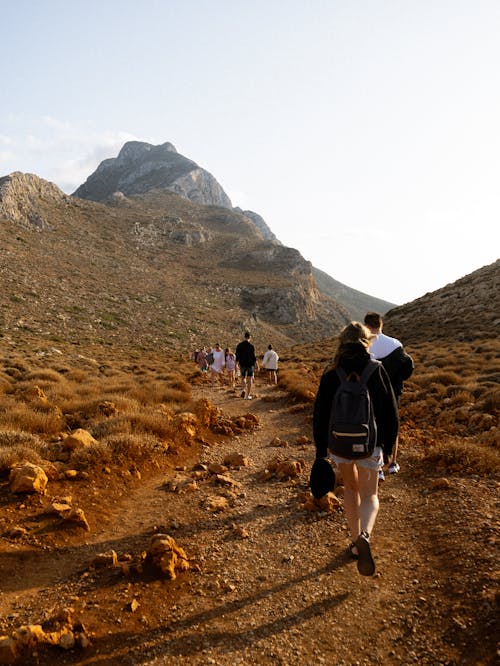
399 366
381 394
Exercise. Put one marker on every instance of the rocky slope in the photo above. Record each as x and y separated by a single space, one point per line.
149 268
466 309
141 167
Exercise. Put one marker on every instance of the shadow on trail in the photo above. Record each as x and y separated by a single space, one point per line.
192 634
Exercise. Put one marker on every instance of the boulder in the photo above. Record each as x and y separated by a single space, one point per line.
167 555
28 478
78 439
236 460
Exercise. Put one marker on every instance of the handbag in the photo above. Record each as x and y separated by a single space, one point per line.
322 478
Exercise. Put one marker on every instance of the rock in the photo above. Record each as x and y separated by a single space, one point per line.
167 555
78 439
107 408
277 441
216 468
283 468
133 605
103 560
8 650
77 516
71 474
17 532
240 531
28 478
185 426
66 640
216 503
181 484
226 480
35 394
440 484
236 460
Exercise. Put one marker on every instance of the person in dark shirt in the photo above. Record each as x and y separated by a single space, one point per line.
361 475
246 359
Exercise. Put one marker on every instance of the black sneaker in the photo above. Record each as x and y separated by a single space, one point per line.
242 394
366 565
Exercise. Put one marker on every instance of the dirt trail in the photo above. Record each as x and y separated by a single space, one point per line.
275 584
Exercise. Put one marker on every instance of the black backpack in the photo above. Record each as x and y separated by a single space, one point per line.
352 431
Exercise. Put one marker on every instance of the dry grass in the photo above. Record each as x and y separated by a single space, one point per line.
129 410
459 456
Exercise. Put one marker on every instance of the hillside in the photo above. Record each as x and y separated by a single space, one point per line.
141 167
356 302
463 310
263 575
149 270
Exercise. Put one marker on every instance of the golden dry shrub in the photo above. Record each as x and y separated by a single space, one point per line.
300 385
147 421
464 457
44 377
17 446
132 447
91 456
490 401
445 377
41 419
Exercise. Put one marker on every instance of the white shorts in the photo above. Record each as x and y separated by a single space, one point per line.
375 461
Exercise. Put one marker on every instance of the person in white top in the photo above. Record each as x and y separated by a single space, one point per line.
270 363
219 363
398 364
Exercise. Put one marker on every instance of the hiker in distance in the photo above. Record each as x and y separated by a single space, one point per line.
352 364
246 359
270 363
397 363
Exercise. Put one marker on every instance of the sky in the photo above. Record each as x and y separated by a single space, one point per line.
365 132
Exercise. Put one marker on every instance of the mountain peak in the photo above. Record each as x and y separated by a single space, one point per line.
24 196
141 167
135 150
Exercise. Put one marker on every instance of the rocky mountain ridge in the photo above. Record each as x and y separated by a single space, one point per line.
141 167
152 267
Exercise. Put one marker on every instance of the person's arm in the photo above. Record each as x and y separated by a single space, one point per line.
386 410
321 412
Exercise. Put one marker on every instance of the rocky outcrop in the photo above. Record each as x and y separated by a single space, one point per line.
24 198
141 167
156 232
259 222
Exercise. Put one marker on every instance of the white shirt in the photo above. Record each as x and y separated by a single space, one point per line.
270 360
382 345
219 360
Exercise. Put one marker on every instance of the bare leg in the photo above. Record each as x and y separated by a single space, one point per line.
349 474
369 504
395 451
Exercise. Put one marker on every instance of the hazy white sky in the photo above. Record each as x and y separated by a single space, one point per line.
365 132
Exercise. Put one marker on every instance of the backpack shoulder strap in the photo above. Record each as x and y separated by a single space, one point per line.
341 373
369 369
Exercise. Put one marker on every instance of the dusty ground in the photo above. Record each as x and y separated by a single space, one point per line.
274 584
